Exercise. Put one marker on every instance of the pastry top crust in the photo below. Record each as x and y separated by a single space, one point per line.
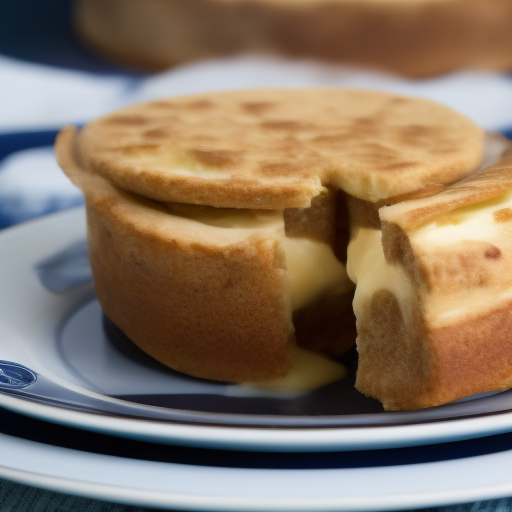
279 148
486 184
455 245
157 219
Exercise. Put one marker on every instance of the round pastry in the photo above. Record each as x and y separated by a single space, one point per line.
411 37
218 227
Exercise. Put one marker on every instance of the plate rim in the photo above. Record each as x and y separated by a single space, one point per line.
283 439
432 474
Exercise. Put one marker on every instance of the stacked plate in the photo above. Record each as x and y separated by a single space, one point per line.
85 412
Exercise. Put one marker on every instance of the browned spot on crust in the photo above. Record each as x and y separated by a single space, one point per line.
414 131
286 125
400 165
200 104
365 126
364 121
140 149
256 108
156 133
360 138
162 104
330 140
127 120
503 215
378 155
493 253
215 158
381 151
398 101
279 168
450 219
203 140
444 150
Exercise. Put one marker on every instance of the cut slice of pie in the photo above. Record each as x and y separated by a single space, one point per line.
219 230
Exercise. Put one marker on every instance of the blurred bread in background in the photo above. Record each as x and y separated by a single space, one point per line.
412 37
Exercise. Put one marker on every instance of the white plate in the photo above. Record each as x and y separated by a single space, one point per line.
60 336
193 487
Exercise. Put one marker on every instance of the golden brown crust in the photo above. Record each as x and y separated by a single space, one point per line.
394 359
207 301
422 367
474 356
153 287
367 213
213 310
416 38
318 222
486 184
215 302
452 336
220 150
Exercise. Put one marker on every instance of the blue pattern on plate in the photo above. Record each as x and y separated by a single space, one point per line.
66 270
15 376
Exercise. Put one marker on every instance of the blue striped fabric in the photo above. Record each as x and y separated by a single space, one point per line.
12 142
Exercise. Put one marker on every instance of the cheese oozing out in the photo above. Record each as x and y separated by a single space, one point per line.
368 268
489 221
475 222
313 271
309 371
479 222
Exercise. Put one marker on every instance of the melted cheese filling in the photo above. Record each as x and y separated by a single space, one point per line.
479 222
488 221
309 371
368 268
313 269
314 272
230 218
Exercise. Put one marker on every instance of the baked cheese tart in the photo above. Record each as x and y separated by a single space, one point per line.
411 37
230 233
